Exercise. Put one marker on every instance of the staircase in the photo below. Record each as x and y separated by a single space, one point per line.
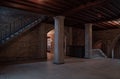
16 27
98 54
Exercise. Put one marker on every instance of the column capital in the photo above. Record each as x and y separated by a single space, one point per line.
59 17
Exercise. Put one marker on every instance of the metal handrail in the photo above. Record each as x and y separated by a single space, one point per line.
19 24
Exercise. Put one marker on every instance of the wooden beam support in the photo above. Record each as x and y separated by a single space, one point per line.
75 20
109 11
24 7
48 8
89 15
54 4
81 7
100 26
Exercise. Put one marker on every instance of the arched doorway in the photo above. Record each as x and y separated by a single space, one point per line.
100 45
50 44
115 48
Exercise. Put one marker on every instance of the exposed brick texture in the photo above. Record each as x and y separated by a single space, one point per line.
78 37
108 37
24 47
31 44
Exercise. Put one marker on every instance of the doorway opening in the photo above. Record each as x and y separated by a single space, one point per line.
50 45
117 50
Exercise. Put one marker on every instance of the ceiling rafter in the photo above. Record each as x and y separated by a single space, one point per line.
109 11
99 12
33 5
24 7
89 14
81 7
76 19
103 27
83 17
48 3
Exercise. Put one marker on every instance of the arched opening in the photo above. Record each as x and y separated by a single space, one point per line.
100 45
50 44
115 47
99 50
117 50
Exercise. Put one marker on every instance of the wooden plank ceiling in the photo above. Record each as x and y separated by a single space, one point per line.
104 14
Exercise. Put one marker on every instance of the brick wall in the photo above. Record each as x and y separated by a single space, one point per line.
78 37
107 36
30 45
27 46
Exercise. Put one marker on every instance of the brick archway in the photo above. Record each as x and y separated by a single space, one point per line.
115 40
49 28
100 44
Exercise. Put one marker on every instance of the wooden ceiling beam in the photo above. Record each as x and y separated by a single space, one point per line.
106 23
46 8
114 6
101 12
65 3
106 19
79 18
24 7
103 25
117 25
75 20
81 7
109 25
89 15
95 14
109 11
100 26
50 3
84 17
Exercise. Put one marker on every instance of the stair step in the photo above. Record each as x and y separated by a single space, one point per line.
3 40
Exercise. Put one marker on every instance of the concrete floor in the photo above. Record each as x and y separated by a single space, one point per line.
73 68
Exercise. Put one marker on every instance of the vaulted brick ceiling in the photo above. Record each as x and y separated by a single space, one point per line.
104 14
